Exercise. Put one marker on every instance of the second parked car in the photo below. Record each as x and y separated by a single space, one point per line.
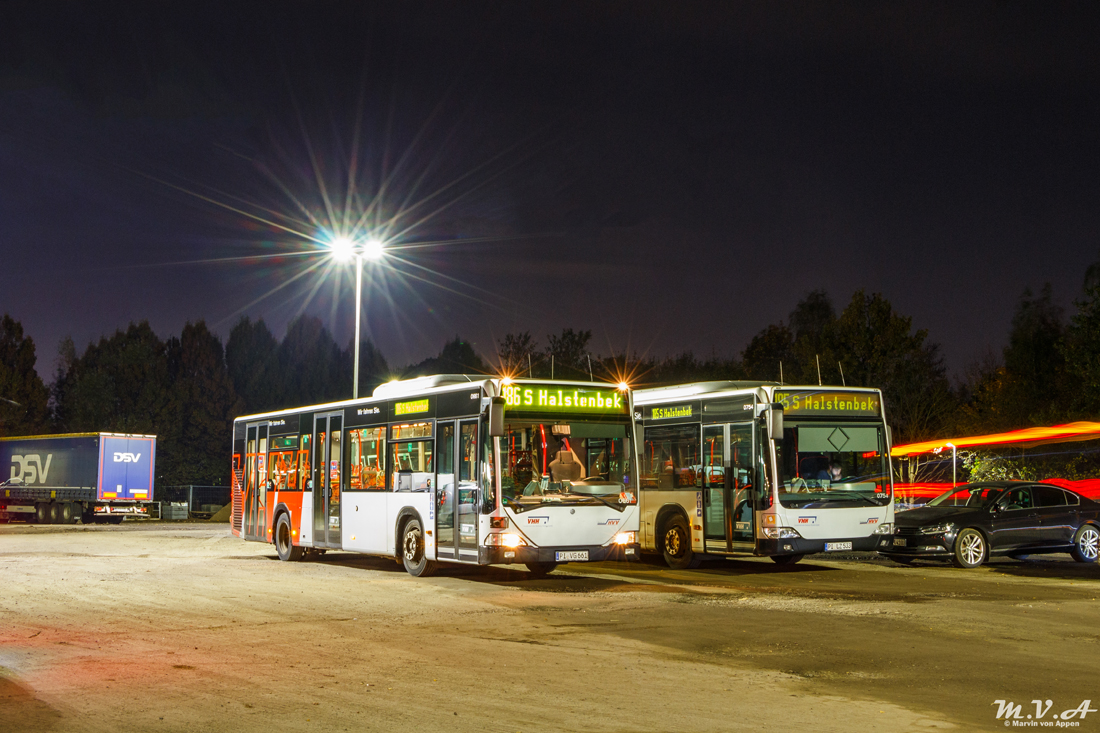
1014 518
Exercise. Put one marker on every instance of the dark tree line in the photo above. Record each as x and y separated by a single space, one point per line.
187 389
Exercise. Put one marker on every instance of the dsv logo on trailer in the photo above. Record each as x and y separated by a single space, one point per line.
29 469
127 457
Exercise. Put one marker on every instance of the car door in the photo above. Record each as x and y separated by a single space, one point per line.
1014 520
1057 519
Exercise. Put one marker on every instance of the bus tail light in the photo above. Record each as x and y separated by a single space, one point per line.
626 538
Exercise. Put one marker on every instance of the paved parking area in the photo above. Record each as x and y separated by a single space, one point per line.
182 627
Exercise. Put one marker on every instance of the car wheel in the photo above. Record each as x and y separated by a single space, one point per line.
541 569
786 559
970 549
284 540
676 545
413 557
1086 544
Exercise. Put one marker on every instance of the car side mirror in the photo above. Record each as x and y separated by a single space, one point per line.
994 508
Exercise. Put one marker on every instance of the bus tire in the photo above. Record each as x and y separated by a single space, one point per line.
284 540
541 569
676 545
413 556
786 559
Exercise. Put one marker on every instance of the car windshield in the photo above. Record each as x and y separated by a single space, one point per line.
972 496
833 465
565 463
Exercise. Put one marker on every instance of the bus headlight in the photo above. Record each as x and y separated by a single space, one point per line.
886 528
504 539
781 533
626 538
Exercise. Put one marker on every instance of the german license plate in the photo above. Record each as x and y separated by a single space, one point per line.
830 546
571 556
899 542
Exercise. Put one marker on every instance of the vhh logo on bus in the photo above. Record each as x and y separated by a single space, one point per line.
29 469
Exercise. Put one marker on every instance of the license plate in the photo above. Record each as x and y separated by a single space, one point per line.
899 542
830 546
571 555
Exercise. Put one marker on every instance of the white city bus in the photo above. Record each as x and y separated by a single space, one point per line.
759 468
455 468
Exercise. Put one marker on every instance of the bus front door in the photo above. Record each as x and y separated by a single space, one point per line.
327 455
728 474
456 497
255 498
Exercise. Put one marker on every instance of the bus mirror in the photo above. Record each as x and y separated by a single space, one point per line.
496 417
774 418
889 438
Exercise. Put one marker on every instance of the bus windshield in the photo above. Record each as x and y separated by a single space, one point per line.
835 464
565 463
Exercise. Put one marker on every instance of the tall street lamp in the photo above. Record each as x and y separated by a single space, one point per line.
344 249
954 452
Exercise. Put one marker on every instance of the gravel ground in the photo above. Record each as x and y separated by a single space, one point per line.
182 627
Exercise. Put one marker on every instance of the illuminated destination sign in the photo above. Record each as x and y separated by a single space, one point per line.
830 403
670 411
410 408
561 398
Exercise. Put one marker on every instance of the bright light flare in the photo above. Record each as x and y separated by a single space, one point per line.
343 249
623 386
373 249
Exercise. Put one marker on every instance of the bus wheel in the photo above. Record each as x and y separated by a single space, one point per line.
969 549
284 543
786 559
676 545
412 551
541 569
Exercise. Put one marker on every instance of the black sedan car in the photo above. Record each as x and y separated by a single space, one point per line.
1014 518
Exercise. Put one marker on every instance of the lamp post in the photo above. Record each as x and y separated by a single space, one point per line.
954 454
342 250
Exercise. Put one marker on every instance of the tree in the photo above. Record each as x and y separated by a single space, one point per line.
251 357
315 369
517 354
457 357
568 354
1081 350
768 350
198 440
373 369
24 398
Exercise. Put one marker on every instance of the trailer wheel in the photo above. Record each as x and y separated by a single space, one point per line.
55 512
70 512
42 513
284 543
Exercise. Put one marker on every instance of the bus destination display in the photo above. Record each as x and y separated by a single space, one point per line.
829 403
555 398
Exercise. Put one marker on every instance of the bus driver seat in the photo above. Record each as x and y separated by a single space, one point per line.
566 466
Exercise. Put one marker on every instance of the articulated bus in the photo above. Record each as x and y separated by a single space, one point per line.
759 468
455 468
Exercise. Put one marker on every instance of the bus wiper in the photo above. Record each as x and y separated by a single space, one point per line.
617 507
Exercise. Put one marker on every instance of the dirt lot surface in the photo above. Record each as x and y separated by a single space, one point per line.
182 627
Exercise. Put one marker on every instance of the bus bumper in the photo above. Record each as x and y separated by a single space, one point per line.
596 553
802 546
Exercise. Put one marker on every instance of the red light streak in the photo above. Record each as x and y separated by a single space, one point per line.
1055 434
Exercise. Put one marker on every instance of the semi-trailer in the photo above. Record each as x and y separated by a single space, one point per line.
89 477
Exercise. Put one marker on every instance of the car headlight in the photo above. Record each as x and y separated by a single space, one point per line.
937 529
781 533
886 528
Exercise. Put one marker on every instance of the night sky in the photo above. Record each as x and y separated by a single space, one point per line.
671 176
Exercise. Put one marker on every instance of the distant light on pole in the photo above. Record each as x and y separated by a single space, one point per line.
954 453
343 249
